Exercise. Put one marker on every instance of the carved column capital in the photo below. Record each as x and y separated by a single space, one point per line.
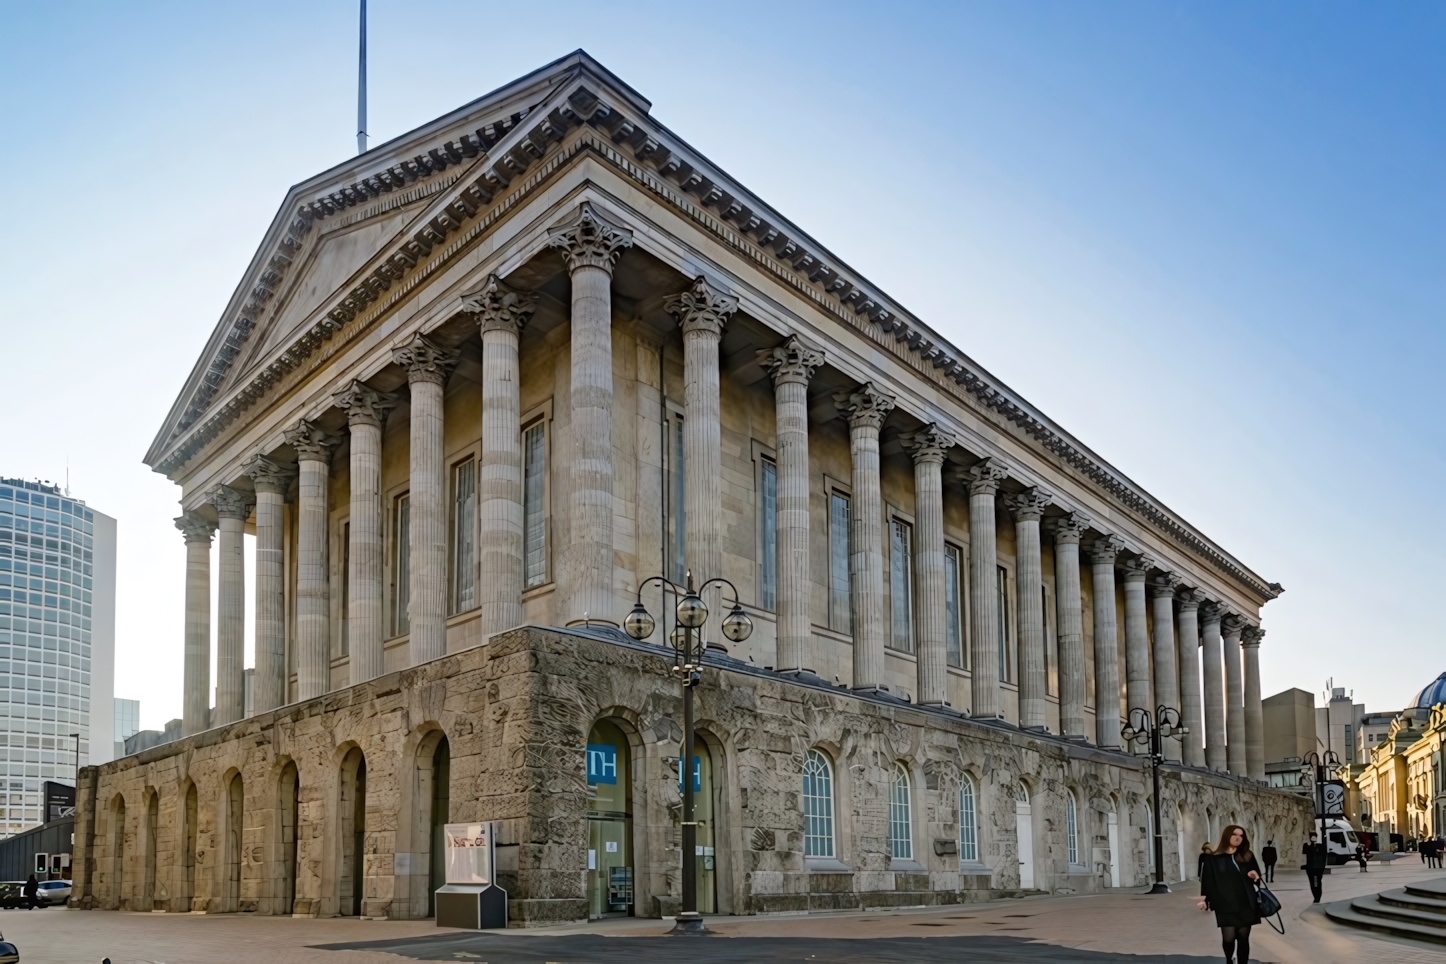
590 240
701 308
1029 505
1251 636
928 444
230 503
1232 623
267 475
792 361
496 306
1210 611
364 405
195 527
1067 528
984 476
310 442
1190 599
1165 584
1137 567
864 406
425 360
1105 549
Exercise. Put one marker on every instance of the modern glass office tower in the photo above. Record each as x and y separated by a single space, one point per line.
57 643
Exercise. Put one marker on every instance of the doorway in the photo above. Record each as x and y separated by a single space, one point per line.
117 851
352 809
188 857
153 808
288 806
705 811
1024 830
1112 821
441 808
609 822
235 797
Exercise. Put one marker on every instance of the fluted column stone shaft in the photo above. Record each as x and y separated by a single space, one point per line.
271 481
427 366
984 615
1213 673
1069 609
1250 639
792 364
866 410
1139 693
929 447
1167 680
501 313
366 414
1191 711
1107 641
232 508
1028 508
1231 627
313 591
196 702
590 246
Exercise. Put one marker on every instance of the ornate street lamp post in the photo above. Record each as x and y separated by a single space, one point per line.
687 642
1146 729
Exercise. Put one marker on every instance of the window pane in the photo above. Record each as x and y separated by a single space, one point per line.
345 588
534 508
817 806
1071 827
901 564
840 617
768 535
968 821
464 537
676 524
404 564
901 836
1051 646
1003 584
953 625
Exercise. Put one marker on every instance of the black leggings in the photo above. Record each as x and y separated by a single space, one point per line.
1236 942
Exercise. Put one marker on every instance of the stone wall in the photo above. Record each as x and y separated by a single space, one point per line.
516 714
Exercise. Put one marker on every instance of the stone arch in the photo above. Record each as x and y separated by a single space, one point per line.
285 835
117 842
231 828
725 802
188 817
1025 835
424 809
615 817
351 830
149 829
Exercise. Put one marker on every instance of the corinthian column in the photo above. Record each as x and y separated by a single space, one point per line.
792 364
928 447
1107 641
984 615
1250 638
1214 680
702 312
1231 626
232 508
1193 742
501 314
271 481
866 409
313 592
1167 681
428 366
366 415
590 245
1138 691
1069 609
1028 508
196 706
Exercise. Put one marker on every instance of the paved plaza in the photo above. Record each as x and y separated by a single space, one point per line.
1107 928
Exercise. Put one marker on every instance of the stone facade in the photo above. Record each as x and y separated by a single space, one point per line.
516 716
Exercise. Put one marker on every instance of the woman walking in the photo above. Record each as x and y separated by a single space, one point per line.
1227 886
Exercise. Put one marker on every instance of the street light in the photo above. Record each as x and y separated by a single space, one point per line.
1144 729
687 642
1320 764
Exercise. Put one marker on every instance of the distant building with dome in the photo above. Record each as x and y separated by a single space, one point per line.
1399 785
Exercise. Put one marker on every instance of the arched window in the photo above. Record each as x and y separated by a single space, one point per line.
968 820
901 821
1071 828
817 806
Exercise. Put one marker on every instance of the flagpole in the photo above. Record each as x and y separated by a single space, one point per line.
361 90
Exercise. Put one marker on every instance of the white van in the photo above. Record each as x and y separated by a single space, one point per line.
1341 840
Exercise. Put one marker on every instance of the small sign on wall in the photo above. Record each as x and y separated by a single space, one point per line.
471 853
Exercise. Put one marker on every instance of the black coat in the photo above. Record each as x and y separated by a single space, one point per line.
1269 855
1228 891
1315 856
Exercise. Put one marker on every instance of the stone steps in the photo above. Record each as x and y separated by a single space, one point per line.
1417 911
1402 897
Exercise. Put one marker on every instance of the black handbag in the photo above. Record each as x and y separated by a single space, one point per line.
1269 906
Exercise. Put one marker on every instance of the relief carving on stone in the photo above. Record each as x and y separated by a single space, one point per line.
230 503
1105 549
984 476
266 475
1068 528
365 405
1029 505
425 360
1251 636
310 442
590 240
497 306
701 308
1165 584
195 527
928 444
792 361
865 406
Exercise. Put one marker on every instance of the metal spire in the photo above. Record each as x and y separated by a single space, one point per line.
361 90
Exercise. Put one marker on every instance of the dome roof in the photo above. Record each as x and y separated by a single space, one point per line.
1435 692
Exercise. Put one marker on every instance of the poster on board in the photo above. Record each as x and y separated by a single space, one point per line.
470 853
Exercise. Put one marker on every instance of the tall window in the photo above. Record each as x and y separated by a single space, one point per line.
767 534
840 616
404 565
464 536
953 611
817 806
534 504
1051 646
901 818
1071 828
675 498
345 587
968 820
1002 583
1150 837
901 590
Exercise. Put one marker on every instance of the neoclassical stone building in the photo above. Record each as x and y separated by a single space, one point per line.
480 382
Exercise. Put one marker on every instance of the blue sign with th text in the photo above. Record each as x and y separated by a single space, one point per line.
602 763
697 775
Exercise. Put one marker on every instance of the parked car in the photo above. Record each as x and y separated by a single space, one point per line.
12 895
9 953
57 890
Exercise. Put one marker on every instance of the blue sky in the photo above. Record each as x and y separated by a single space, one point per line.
1206 238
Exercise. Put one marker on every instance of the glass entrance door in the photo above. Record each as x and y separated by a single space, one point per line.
609 823
705 810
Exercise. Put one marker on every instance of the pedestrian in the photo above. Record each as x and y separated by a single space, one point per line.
1428 852
1361 856
1269 855
1315 865
1205 851
32 887
1227 887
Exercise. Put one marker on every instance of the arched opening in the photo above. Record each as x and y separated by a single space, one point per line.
1024 831
818 830
153 810
1182 842
231 862
968 821
188 855
901 815
1150 839
1071 831
1112 828
438 814
117 851
352 813
288 811
609 822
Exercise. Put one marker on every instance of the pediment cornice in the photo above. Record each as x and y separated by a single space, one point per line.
585 114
